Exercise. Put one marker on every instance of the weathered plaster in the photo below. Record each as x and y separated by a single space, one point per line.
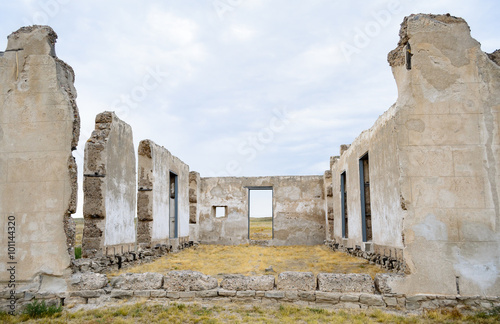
109 186
39 127
153 207
434 163
298 206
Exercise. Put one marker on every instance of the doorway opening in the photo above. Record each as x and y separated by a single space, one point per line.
173 191
343 204
366 211
260 213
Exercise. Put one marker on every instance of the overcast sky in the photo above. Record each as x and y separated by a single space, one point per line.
237 87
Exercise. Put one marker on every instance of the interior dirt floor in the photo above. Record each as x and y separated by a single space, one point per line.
218 260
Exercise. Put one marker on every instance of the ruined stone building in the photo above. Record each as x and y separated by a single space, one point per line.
418 191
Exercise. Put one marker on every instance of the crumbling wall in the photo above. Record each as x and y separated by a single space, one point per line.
109 187
298 209
450 105
153 197
39 127
433 163
328 188
194 193
387 213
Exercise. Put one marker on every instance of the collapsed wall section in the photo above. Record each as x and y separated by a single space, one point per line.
109 187
298 209
162 198
39 127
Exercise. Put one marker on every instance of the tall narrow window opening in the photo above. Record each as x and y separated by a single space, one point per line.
173 193
366 212
343 203
408 56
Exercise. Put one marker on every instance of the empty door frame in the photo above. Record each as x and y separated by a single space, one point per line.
272 206
343 204
173 198
364 189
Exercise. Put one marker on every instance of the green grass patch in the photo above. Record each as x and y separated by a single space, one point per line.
38 309
78 252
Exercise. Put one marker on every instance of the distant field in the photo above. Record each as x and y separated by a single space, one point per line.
261 228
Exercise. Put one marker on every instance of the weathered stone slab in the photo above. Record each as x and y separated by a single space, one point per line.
118 293
371 300
138 281
88 281
239 282
227 293
275 294
87 293
329 297
262 283
291 280
206 293
188 280
247 293
338 282
234 282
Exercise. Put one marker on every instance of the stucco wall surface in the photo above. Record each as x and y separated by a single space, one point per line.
298 209
39 127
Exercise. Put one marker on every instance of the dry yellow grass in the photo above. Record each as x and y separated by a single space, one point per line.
150 312
217 260
79 231
261 228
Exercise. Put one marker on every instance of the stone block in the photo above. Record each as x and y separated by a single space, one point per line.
291 280
173 294
291 295
138 281
247 293
327 297
88 281
158 293
227 293
337 282
307 295
234 282
119 293
391 301
383 282
188 280
142 293
87 293
275 294
371 300
187 294
262 283
239 282
351 298
206 293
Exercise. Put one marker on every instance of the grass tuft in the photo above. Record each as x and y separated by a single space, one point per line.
38 309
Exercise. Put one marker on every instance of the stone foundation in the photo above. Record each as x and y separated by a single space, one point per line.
342 291
386 257
122 257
